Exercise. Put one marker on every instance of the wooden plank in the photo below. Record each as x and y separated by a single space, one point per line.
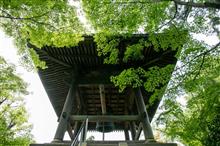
63 119
70 131
148 132
132 126
126 134
102 98
106 118
51 58
138 133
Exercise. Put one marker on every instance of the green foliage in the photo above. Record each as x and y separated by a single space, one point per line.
157 76
113 16
107 47
154 80
193 123
41 23
173 38
36 60
14 129
57 39
213 138
128 77
134 52
156 14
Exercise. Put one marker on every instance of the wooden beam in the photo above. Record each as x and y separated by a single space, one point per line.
148 133
127 137
99 76
64 117
94 80
126 134
131 100
132 126
102 98
70 131
82 104
106 118
138 133
50 57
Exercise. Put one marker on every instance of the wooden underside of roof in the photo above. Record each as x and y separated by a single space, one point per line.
91 73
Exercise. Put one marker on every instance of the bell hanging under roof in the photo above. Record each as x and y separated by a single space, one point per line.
105 126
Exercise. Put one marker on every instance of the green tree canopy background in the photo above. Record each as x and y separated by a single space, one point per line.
14 127
168 23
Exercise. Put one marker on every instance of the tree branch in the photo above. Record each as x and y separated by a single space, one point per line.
9 16
200 68
198 5
199 55
33 18
1 102
174 16
178 2
11 124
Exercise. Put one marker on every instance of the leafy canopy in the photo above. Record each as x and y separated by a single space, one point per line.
196 123
14 127
41 23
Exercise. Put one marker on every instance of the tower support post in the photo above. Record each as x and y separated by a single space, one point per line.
64 117
148 133
127 137
132 126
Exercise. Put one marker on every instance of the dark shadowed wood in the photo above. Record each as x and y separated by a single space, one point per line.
138 133
106 118
102 98
92 72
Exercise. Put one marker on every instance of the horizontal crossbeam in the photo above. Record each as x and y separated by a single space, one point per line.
105 118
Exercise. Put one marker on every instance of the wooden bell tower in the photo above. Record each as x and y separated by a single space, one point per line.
79 88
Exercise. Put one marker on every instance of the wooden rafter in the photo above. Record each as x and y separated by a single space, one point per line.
102 98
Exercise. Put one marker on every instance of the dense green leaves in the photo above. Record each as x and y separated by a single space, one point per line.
154 80
173 38
190 119
113 16
128 77
40 23
134 52
107 47
195 124
14 129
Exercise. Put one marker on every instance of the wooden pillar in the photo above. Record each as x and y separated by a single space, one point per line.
138 133
126 134
102 98
64 117
132 126
70 131
148 133
103 133
127 137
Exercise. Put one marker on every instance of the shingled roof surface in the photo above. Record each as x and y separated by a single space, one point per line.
92 72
